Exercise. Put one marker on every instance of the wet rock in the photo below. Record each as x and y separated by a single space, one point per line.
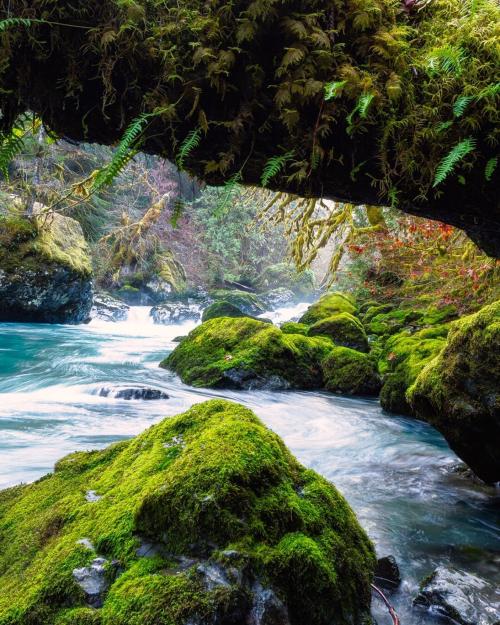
267 609
134 393
92 497
175 312
178 339
108 308
86 542
94 581
45 270
277 298
462 597
387 572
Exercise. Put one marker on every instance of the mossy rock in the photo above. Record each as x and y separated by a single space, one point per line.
458 392
247 353
248 303
374 310
285 275
292 327
197 520
402 359
45 269
344 330
327 306
393 321
221 309
348 371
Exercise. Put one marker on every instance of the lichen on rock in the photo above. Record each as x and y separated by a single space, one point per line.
233 525
45 269
248 353
458 392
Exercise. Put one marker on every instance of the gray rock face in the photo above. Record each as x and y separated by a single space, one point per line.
133 393
267 608
175 312
249 380
276 298
51 294
94 581
460 596
108 308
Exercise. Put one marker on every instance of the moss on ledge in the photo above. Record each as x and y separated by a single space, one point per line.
458 392
211 489
326 306
247 353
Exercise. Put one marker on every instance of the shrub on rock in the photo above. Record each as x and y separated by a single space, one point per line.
459 391
328 305
344 330
204 518
45 269
248 353
348 371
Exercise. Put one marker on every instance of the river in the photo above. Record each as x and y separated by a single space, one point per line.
396 472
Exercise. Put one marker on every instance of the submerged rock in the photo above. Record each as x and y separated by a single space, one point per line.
45 270
175 312
203 513
459 391
464 598
133 393
277 298
108 308
247 353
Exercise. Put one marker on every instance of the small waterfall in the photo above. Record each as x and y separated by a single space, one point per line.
139 316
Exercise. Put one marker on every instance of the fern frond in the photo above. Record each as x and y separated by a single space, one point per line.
454 156
447 59
13 143
489 170
190 143
461 103
489 91
273 167
229 189
12 22
126 150
362 106
334 89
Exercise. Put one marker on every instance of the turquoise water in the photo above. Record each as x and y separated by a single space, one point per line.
396 472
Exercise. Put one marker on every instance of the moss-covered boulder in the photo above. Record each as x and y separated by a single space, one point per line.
292 327
45 270
328 305
348 371
386 322
247 353
402 359
285 275
249 303
459 391
204 518
344 330
221 309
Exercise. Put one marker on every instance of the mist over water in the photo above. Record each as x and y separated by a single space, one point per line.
396 472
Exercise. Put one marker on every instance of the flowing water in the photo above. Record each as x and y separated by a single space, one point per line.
396 472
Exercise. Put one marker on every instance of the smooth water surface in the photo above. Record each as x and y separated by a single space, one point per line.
396 472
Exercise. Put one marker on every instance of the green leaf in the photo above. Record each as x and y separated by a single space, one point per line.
334 89
489 170
454 156
461 103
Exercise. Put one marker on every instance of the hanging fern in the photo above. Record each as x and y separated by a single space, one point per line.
362 106
489 170
489 91
334 89
13 143
190 143
126 150
273 167
460 105
454 156
12 22
229 189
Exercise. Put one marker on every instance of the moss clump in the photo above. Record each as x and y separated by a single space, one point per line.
402 359
375 309
248 303
458 391
327 306
246 353
212 487
344 330
388 323
348 371
292 327
221 309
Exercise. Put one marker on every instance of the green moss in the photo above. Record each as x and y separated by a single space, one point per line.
221 309
285 275
376 309
458 391
402 359
243 353
29 243
291 327
247 302
348 371
211 479
388 323
344 330
327 306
